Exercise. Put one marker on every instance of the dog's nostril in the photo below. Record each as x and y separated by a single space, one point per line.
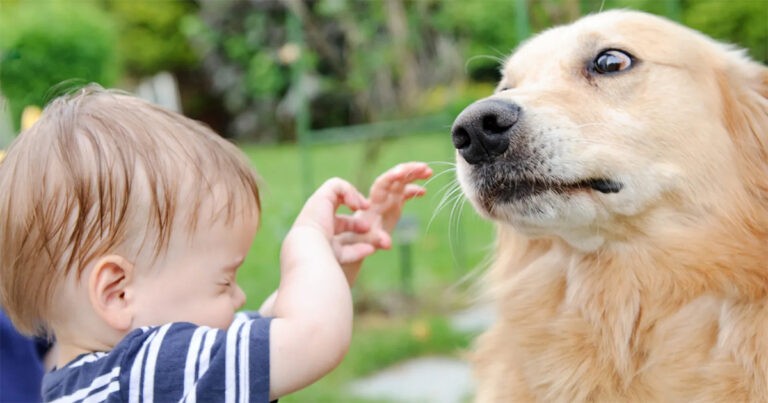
483 130
493 124
461 138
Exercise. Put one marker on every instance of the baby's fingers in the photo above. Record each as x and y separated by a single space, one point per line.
412 191
411 171
377 238
395 179
355 252
347 223
416 170
345 194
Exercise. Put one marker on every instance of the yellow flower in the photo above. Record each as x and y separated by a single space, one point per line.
420 330
29 116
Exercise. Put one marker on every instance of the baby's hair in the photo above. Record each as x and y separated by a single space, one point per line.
104 172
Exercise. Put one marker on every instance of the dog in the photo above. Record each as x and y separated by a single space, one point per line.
624 160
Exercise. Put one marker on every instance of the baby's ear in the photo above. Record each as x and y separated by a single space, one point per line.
108 287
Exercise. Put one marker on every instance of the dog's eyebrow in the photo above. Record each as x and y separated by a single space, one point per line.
665 64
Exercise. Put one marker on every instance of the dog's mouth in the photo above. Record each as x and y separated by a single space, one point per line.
602 185
514 190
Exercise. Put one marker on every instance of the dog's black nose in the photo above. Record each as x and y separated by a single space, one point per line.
482 130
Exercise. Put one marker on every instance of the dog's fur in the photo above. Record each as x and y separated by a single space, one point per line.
656 292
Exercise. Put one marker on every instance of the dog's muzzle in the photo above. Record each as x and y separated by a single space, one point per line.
483 130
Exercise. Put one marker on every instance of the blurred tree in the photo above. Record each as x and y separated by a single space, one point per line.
485 31
365 60
44 44
151 40
150 36
237 41
742 22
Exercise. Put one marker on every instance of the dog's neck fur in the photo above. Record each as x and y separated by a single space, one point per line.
620 294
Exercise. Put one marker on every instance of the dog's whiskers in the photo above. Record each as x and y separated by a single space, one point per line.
451 191
454 227
450 169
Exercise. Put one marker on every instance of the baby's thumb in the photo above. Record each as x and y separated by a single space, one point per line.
356 252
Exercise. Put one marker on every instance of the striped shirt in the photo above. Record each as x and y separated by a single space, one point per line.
176 362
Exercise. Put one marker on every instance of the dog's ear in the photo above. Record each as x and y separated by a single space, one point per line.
743 84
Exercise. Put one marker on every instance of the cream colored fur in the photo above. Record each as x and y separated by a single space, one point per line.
657 293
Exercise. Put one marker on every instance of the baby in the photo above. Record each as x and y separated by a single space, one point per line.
122 228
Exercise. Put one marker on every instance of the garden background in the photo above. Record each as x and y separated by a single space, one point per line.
314 89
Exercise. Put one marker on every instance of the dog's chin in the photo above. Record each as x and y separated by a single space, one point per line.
538 207
497 195
570 215
529 207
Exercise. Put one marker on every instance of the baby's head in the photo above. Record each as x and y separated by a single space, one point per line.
116 213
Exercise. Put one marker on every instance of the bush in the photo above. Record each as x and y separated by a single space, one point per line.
49 43
150 37
744 23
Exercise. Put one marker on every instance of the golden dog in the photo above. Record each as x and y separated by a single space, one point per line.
624 159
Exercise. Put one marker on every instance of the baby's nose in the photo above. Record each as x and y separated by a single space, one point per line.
239 297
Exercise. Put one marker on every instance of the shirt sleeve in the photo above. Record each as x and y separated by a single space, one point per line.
184 362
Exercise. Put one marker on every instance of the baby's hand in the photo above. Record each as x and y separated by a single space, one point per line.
319 211
389 193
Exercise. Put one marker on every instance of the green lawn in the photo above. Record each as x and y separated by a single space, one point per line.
396 318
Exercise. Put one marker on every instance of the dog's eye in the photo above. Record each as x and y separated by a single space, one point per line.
611 61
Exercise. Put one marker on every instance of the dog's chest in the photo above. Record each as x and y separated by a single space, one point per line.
562 339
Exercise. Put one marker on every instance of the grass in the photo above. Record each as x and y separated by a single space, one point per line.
397 316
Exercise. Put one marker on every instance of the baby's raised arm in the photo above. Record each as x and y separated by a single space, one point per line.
312 310
320 258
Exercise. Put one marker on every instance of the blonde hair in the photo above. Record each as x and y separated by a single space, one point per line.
96 168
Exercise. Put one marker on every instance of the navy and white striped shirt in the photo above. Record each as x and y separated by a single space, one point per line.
176 362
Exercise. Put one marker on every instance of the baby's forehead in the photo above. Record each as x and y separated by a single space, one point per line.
212 200
196 216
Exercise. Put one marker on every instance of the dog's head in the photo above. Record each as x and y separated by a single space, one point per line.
614 125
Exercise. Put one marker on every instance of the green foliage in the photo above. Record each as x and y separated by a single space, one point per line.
47 43
451 100
150 36
264 75
486 30
360 61
742 22
238 42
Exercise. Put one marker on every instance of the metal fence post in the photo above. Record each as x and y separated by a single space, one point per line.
406 232
303 134
522 24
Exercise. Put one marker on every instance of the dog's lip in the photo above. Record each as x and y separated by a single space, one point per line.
602 185
522 188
